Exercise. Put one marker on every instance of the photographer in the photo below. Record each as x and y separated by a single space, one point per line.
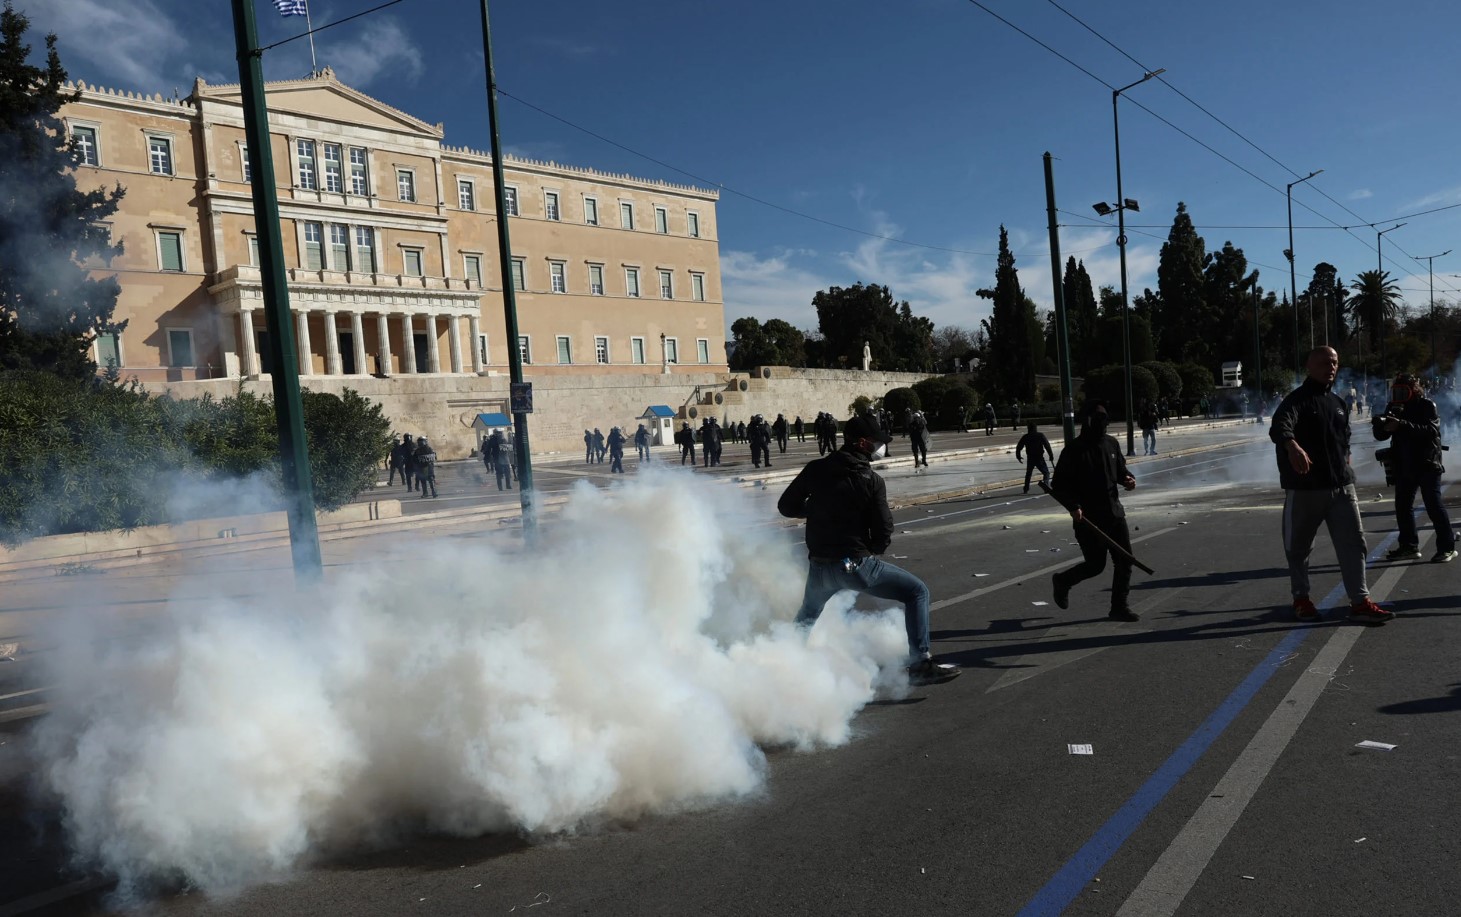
1413 426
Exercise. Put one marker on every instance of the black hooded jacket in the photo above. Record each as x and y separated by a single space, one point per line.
1318 420
1417 441
1088 475
845 504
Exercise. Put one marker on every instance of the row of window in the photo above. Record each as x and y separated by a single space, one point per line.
180 349
558 280
332 167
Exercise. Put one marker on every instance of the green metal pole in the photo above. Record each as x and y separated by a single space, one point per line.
1062 341
1257 352
1125 304
304 538
509 296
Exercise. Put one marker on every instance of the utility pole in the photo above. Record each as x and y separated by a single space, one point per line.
304 537
1062 340
1379 291
1293 282
526 492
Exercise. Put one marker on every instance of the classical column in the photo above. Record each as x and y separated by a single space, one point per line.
454 336
408 336
357 337
433 352
383 340
306 362
332 346
474 323
246 333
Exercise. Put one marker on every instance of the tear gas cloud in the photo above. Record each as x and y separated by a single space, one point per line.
638 662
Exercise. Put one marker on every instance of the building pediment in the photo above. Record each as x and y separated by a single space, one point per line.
323 96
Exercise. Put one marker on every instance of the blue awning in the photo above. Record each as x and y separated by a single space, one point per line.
492 420
658 410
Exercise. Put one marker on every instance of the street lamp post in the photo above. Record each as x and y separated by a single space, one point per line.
1289 254
1122 204
1379 306
1430 261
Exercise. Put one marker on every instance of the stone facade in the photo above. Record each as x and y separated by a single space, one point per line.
390 247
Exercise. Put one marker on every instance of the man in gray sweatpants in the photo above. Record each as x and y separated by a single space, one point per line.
1311 436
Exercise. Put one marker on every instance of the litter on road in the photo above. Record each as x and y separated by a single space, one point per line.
1370 743
1081 749
1039 603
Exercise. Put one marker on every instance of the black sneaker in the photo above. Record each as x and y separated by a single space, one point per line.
1062 592
1444 557
932 672
1123 614
1403 552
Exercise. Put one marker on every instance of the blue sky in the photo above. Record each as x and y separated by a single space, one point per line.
919 120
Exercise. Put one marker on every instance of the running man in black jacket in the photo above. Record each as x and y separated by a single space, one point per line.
849 523
1310 432
1087 476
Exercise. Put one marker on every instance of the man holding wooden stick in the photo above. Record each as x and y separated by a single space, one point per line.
1086 479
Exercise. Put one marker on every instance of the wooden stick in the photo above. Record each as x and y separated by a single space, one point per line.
1104 537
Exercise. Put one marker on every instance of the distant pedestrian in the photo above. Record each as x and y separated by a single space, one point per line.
600 449
408 456
1412 423
918 438
1087 478
425 467
1036 448
1014 415
759 434
499 459
800 428
588 447
397 461
712 442
740 431
1147 420
989 419
778 431
686 439
641 443
616 451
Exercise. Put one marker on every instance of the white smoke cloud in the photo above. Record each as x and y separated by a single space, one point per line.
636 662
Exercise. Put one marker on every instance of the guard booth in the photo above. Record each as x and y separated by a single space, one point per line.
485 424
1232 374
660 420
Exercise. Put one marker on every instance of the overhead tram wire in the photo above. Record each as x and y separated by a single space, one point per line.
729 190
331 25
1241 136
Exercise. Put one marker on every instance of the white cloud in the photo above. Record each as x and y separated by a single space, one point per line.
379 49
770 287
1435 198
1361 194
127 43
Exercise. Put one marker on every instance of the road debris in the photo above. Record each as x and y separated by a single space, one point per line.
1379 746
1081 749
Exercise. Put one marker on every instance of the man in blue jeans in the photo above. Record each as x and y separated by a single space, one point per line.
849 523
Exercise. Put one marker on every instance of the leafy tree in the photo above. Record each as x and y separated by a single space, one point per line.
1376 302
849 316
1081 316
1182 287
1227 293
931 391
1197 380
348 437
1109 383
50 307
775 343
957 399
899 400
1109 336
950 343
1169 381
1325 302
1012 329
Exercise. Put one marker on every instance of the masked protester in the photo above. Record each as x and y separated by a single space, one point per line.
1035 448
1413 425
1087 476
849 523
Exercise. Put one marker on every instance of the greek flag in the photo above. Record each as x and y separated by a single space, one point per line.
292 7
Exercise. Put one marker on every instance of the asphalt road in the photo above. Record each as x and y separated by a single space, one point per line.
1225 777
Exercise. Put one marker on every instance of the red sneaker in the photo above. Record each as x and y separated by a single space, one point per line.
1367 611
1304 609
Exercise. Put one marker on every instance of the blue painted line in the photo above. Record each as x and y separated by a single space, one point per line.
1076 874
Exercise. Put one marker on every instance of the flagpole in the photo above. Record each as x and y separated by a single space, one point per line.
309 27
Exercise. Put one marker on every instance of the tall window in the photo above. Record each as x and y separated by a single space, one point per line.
253 249
314 258
525 348
334 169
596 279
170 251
159 155
519 274
359 177
482 348
473 269
697 287
406 185
509 194
556 271
565 349
109 350
636 350
631 281
466 194
661 220
601 349
180 347
666 285
702 349
591 211
365 249
339 247
85 140
626 214
550 205
305 151
672 350
411 257
243 155
693 219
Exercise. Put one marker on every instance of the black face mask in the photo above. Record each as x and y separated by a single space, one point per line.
1097 424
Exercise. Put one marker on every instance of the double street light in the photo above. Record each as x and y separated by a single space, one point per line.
1122 205
1289 254
1380 292
1431 264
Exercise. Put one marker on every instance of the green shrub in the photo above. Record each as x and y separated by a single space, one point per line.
900 400
1169 380
1197 380
957 398
1049 394
348 439
860 404
931 391
1109 383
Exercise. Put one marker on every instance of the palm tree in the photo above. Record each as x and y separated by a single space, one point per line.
1376 301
